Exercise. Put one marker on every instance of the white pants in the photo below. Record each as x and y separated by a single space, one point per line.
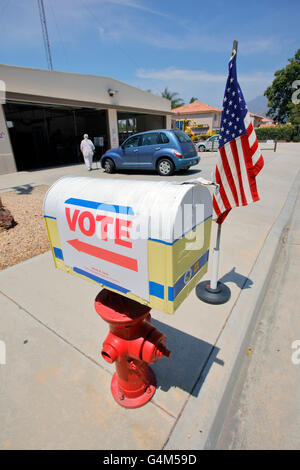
88 160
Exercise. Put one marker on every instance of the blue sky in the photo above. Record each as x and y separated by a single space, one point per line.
151 44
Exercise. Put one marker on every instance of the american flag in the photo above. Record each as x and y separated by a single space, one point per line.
240 159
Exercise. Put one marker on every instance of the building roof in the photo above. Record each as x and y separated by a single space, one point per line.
257 115
194 108
51 86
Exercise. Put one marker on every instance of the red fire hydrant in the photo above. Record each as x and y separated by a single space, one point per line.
132 342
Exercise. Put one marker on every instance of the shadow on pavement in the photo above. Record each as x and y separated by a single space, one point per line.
153 172
240 280
54 167
188 358
23 189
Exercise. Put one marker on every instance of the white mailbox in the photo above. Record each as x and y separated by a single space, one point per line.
146 240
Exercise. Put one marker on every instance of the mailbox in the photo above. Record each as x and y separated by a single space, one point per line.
146 240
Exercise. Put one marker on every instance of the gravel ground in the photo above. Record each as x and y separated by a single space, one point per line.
29 237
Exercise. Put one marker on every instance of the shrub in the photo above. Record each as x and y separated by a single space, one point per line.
286 132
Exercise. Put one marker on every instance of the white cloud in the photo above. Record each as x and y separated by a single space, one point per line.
172 73
136 6
207 86
260 45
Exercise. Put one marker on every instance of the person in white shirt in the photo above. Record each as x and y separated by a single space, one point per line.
87 148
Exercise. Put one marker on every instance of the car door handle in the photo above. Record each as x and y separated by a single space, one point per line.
157 148
136 150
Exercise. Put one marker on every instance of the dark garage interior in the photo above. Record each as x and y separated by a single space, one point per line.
129 123
44 135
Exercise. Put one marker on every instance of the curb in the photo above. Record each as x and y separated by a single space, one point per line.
201 421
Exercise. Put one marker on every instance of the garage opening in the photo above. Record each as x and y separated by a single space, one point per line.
45 135
130 123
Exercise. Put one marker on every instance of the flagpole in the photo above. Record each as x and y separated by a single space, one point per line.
215 263
214 291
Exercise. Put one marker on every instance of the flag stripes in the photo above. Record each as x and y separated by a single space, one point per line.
240 161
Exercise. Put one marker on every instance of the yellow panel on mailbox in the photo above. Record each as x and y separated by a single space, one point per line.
146 240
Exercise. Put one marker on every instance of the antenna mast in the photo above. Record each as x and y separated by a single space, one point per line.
45 34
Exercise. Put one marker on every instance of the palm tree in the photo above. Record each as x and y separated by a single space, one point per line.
173 97
193 99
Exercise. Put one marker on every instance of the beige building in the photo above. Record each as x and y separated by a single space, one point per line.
203 114
207 115
44 114
256 119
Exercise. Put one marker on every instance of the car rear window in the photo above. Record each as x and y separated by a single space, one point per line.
182 137
164 138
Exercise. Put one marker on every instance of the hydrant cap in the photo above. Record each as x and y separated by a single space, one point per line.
115 308
109 353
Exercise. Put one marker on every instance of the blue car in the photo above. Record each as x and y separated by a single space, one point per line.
162 150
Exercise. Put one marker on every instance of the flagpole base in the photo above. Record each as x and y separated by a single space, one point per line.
217 296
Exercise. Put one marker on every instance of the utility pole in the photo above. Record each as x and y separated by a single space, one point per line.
45 34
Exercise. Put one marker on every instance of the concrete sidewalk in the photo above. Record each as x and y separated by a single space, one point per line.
55 387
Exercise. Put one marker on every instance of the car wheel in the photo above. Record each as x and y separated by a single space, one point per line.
165 167
109 166
201 148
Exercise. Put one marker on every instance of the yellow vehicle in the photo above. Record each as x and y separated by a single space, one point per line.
194 130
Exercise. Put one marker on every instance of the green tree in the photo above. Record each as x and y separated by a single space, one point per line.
193 99
279 94
173 97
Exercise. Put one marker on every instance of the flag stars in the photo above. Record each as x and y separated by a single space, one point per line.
233 111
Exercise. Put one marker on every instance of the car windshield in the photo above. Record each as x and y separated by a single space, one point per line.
182 137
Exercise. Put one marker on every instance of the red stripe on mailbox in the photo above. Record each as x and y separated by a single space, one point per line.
106 255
